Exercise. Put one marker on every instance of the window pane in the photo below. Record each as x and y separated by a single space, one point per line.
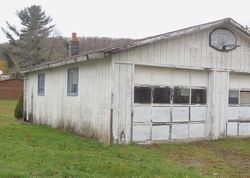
233 97
142 95
41 84
181 95
244 97
73 88
73 81
161 95
199 96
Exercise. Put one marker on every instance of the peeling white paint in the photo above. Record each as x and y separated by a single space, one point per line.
160 133
179 131
182 58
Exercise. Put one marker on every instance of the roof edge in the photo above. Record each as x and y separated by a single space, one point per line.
101 53
178 33
65 61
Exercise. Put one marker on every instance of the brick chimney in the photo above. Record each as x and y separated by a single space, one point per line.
73 45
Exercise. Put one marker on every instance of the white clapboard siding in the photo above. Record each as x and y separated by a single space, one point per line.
88 113
192 50
104 106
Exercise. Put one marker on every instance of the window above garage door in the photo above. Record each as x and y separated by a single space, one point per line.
170 86
167 95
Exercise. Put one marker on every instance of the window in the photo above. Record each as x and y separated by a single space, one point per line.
233 97
72 82
199 96
161 95
181 95
142 95
41 84
244 97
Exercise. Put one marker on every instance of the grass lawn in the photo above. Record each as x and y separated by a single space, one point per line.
28 150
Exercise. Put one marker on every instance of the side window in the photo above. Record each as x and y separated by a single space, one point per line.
41 84
72 82
181 95
244 97
161 95
199 96
233 97
142 95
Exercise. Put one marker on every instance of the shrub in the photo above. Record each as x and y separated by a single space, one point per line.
19 108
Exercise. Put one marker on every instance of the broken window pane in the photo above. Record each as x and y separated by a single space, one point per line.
161 95
199 96
181 95
142 95
233 97
244 97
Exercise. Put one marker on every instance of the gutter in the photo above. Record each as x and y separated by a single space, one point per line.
66 61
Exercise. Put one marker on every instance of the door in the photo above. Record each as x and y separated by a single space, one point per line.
169 104
122 103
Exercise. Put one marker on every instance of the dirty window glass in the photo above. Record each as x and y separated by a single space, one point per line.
161 95
244 97
142 95
233 97
73 82
41 84
181 95
199 96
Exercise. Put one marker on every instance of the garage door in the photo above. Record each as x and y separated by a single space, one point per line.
169 104
239 105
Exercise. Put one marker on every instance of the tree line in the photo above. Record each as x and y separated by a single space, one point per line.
36 42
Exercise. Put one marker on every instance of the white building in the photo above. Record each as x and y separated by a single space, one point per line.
188 84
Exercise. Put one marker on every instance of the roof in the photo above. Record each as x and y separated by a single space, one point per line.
107 51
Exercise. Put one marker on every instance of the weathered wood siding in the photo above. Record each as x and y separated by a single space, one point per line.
162 122
192 51
86 114
104 107
122 110
239 114
218 103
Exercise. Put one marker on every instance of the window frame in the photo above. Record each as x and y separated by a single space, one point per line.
198 88
162 87
233 89
239 99
39 84
151 93
69 93
173 95
243 104
152 87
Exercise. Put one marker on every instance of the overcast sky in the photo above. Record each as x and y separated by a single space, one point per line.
128 18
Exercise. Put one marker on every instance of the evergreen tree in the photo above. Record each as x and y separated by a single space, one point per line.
28 44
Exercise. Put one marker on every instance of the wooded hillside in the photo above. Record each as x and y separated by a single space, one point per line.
58 48
94 43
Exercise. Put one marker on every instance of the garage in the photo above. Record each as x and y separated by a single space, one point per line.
239 105
189 84
169 104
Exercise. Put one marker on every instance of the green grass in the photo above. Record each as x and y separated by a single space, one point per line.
28 150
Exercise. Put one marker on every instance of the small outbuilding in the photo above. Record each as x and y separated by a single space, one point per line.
189 84
11 89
